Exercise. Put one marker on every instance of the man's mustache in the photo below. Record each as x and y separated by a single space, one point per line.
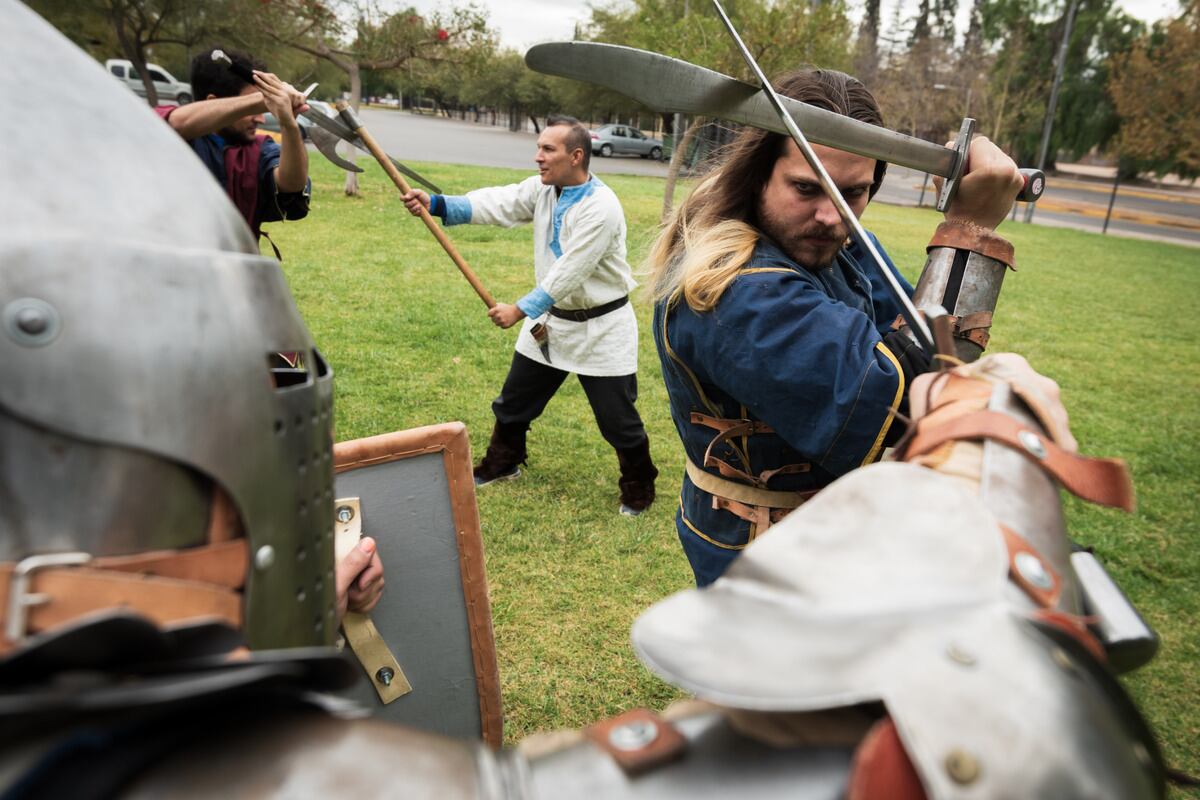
830 232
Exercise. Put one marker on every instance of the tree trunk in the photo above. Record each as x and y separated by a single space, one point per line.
349 150
139 63
536 128
132 48
678 150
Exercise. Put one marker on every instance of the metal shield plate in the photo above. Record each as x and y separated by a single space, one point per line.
417 500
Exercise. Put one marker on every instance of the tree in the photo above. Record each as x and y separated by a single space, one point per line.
1021 36
1156 90
136 26
866 53
358 36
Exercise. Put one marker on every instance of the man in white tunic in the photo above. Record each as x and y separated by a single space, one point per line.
579 309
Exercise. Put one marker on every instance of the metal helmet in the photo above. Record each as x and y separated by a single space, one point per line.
137 330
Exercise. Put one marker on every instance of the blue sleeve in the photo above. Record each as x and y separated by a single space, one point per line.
458 210
535 303
886 307
274 205
437 206
268 160
811 367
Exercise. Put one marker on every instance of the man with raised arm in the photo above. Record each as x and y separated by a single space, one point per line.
775 332
265 180
578 309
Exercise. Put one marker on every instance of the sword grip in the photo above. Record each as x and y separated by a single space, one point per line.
220 57
1035 184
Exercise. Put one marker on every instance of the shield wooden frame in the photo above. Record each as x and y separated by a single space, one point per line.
450 440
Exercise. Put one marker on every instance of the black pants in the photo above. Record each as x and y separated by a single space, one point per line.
530 385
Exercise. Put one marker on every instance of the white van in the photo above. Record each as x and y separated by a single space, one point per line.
169 90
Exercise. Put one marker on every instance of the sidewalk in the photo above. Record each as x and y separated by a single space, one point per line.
1170 185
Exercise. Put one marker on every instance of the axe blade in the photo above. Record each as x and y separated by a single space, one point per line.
327 144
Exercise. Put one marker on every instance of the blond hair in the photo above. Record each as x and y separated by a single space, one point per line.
710 239
697 258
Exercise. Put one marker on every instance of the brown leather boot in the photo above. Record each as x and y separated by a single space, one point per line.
506 451
637 478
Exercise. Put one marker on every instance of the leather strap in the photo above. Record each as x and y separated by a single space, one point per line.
164 586
963 235
372 651
637 740
1048 593
223 564
1099 480
974 328
720 424
584 314
746 427
750 495
367 644
760 517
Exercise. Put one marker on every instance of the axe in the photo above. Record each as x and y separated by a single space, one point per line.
389 166
328 131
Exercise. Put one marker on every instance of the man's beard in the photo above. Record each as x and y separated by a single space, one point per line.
236 136
813 246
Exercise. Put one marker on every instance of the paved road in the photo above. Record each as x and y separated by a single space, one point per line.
1171 215
1167 215
411 137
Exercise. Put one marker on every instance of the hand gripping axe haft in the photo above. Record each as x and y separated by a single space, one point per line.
327 131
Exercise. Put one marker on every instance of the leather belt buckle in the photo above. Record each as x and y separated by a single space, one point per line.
19 597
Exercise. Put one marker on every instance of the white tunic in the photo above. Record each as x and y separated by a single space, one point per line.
582 267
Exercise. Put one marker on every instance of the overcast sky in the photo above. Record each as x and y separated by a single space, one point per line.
522 23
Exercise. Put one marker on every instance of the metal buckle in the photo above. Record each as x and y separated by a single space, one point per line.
19 598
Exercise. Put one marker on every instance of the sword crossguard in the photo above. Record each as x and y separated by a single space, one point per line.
961 145
1031 190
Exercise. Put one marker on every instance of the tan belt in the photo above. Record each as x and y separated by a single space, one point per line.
750 495
167 586
367 644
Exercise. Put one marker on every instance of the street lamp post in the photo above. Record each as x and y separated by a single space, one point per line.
1058 75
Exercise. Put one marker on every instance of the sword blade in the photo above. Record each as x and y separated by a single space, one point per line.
670 85
339 129
921 331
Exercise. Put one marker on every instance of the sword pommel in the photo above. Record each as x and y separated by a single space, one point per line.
220 57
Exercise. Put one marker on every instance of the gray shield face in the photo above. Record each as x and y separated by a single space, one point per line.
136 339
417 500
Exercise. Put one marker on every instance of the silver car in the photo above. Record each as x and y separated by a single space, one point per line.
169 90
608 140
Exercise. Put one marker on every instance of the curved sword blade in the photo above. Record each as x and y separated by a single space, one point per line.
670 85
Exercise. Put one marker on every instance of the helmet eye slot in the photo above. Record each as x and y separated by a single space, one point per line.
289 369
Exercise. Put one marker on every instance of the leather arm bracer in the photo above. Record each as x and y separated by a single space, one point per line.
963 274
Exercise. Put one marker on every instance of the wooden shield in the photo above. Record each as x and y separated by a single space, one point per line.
417 499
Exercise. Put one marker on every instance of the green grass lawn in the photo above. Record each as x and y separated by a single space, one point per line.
1110 319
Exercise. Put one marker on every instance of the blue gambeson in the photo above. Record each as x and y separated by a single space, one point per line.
799 352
